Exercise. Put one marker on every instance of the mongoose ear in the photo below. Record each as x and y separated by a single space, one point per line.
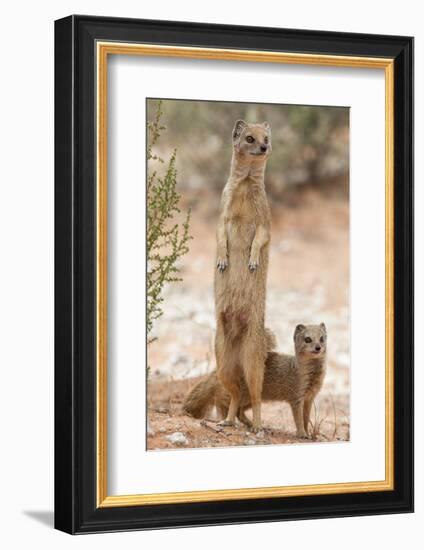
323 327
267 126
298 329
239 126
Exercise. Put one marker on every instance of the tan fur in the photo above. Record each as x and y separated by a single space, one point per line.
201 398
243 235
296 379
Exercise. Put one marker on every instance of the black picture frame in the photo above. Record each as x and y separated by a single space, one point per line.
76 510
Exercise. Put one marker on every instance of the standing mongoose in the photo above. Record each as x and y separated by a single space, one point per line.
243 235
296 379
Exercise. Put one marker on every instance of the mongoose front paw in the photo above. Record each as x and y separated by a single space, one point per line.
253 265
221 264
302 435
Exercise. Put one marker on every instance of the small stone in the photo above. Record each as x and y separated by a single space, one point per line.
250 442
177 438
162 430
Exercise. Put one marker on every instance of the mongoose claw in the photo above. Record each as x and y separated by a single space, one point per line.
222 264
253 265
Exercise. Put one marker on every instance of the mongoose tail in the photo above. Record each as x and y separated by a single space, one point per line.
200 399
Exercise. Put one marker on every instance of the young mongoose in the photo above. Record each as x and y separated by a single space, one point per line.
243 235
296 379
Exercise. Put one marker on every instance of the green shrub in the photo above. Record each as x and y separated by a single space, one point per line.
167 239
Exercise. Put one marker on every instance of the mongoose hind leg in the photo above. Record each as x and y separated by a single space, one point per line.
228 377
228 368
253 368
230 420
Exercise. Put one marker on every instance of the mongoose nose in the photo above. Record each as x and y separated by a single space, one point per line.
317 348
263 148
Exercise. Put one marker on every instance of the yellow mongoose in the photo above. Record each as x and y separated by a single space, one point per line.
293 378
243 235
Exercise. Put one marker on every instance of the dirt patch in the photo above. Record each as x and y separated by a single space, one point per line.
330 421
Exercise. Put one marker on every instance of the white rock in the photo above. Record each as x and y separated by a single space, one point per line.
177 438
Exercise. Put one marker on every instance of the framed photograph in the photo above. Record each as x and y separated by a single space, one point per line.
234 274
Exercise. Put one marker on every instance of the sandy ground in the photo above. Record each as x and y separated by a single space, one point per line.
307 283
330 421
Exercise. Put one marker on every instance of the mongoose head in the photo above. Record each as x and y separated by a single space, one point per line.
310 340
252 141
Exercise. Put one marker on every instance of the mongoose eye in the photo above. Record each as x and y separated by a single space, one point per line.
250 139
321 339
308 340
266 140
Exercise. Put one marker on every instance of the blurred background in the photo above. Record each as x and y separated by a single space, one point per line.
307 183
310 145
